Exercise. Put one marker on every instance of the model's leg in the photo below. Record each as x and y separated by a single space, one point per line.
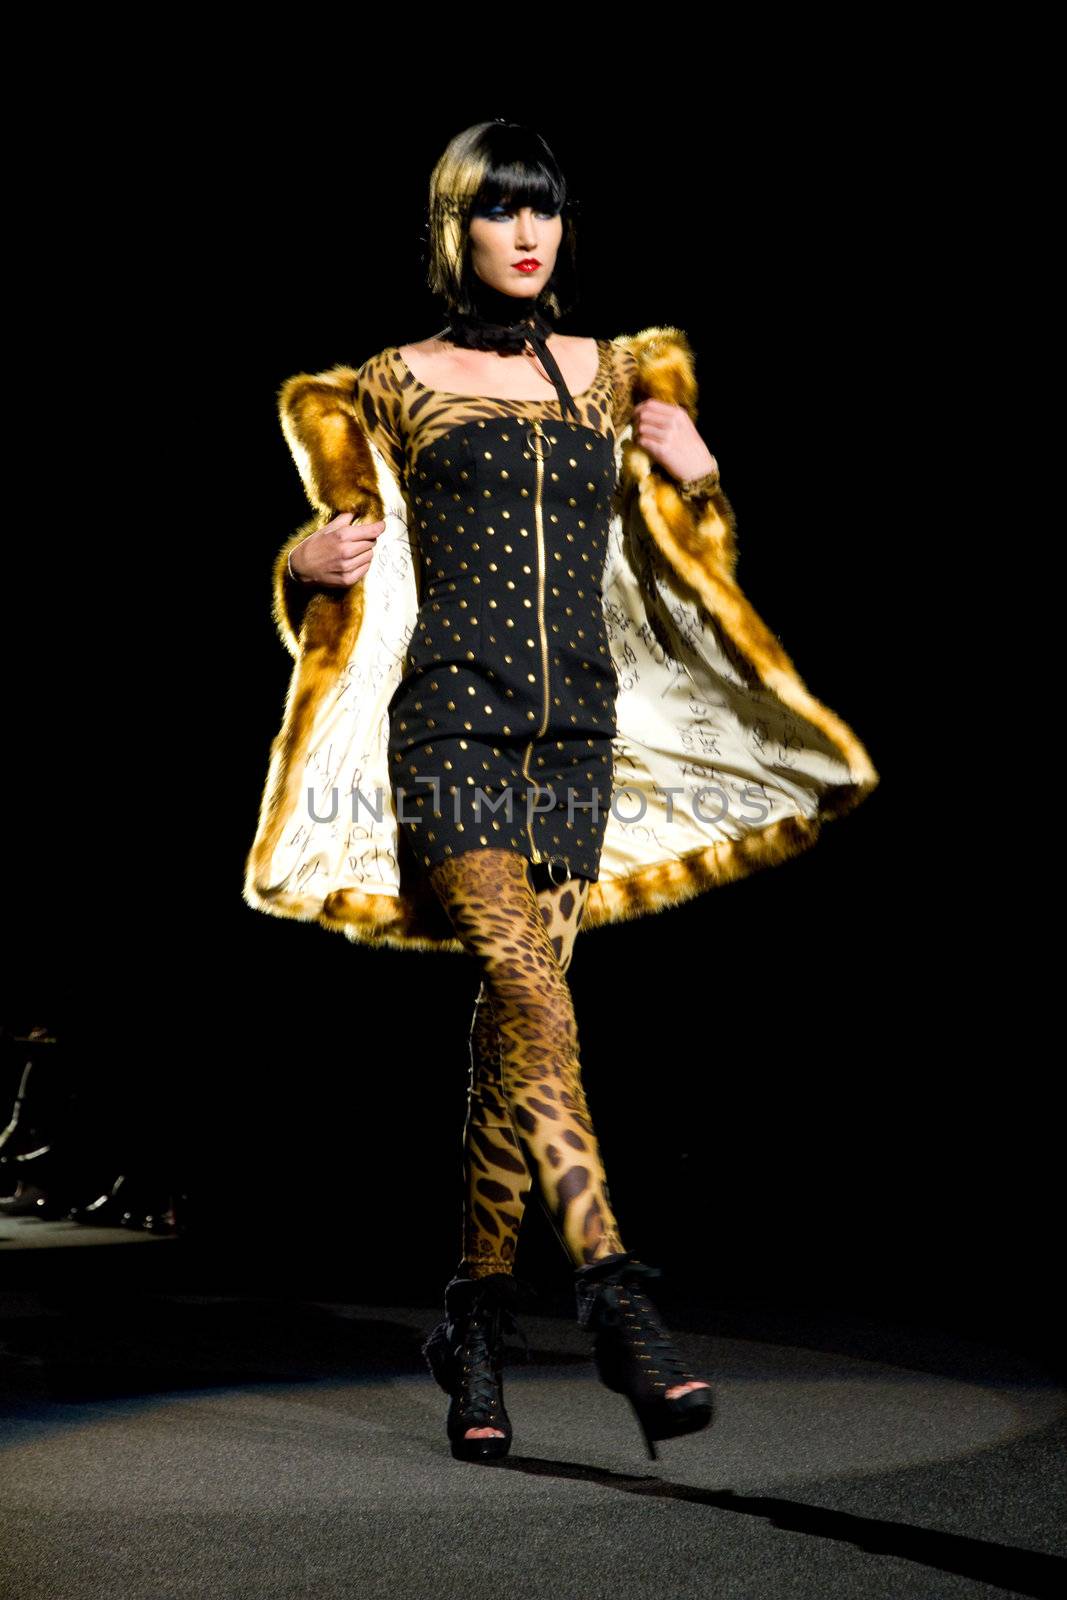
492 906
496 1178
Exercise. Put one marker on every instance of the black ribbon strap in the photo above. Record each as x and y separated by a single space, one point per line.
566 400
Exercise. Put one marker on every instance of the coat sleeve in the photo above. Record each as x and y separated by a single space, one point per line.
713 516
708 508
292 595
709 515
660 362
321 419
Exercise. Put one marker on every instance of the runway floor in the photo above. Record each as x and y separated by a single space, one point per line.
163 1439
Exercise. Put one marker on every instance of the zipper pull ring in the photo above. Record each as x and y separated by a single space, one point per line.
534 433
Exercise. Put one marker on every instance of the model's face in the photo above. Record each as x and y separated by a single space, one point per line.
503 236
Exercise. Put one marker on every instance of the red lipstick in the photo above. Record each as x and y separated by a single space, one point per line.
528 264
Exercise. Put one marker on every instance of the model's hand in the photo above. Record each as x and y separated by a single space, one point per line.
669 435
338 554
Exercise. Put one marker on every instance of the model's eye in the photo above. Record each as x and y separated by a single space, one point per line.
502 211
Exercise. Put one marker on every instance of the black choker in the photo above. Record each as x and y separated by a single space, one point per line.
507 323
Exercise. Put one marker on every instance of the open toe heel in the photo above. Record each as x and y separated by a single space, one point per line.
633 1351
465 1354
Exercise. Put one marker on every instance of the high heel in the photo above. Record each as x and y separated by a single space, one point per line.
465 1354
633 1351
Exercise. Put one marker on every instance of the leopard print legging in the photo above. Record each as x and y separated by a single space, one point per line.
527 1114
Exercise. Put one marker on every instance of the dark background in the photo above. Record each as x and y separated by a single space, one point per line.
805 1083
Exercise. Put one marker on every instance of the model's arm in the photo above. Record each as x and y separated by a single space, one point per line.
676 449
332 555
327 420
335 555
291 595
670 436
667 433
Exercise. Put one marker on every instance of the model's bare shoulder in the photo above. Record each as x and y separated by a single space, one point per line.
575 349
424 347
428 356
579 357
575 342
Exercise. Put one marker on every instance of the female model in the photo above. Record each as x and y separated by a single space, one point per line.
500 729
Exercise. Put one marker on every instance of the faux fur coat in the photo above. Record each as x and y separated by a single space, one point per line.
724 762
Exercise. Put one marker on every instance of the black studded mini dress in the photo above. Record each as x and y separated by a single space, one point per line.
501 728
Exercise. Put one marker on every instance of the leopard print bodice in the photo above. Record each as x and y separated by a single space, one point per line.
404 417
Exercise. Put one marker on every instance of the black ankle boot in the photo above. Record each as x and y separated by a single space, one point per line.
633 1351
465 1355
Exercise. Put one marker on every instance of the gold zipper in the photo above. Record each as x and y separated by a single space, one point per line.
537 434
